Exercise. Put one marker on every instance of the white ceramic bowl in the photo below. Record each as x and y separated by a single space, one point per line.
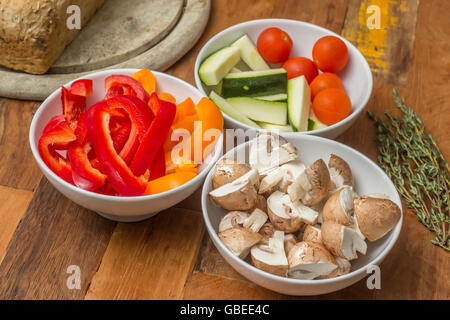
112 207
369 178
356 75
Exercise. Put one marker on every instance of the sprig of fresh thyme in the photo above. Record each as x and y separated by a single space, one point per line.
414 162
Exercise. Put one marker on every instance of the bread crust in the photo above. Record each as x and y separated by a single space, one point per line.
34 33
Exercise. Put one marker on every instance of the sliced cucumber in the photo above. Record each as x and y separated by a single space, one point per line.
260 110
254 83
314 123
217 65
230 110
241 65
276 127
281 97
249 53
299 102
235 70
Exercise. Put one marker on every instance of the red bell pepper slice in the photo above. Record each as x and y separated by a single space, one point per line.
158 167
115 91
120 131
140 116
81 87
57 135
155 135
119 174
129 84
84 175
73 106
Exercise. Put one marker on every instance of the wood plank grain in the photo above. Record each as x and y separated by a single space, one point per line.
53 234
17 167
13 203
387 46
150 259
201 286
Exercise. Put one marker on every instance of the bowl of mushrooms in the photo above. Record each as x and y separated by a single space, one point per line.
306 216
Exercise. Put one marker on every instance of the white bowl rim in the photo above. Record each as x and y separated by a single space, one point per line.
376 261
44 167
325 130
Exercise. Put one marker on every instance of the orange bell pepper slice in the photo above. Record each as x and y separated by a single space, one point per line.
185 108
147 79
186 123
168 97
211 118
169 182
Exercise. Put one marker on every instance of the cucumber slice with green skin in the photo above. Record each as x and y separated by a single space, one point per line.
314 123
227 108
275 127
260 110
282 97
249 54
217 65
299 103
254 83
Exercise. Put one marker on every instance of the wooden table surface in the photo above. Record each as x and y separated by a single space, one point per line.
170 256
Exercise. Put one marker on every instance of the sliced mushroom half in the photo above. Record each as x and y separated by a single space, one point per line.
267 231
282 177
342 241
256 220
268 151
286 215
240 194
339 207
239 240
344 267
271 257
312 185
312 233
228 170
375 217
233 219
309 260
340 172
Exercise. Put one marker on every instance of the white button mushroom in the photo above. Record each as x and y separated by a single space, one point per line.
342 241
271 257
309 260
375 217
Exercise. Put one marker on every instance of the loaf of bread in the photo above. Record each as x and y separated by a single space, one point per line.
34 33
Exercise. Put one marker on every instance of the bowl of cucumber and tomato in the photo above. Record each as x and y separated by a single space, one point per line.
286 75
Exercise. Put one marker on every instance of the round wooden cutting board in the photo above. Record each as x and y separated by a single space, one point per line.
147 34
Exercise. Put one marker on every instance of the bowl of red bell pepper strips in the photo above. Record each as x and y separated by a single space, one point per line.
127 143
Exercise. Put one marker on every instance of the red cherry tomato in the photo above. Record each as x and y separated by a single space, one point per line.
330 54
299 66
274 45
332 105
324 81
